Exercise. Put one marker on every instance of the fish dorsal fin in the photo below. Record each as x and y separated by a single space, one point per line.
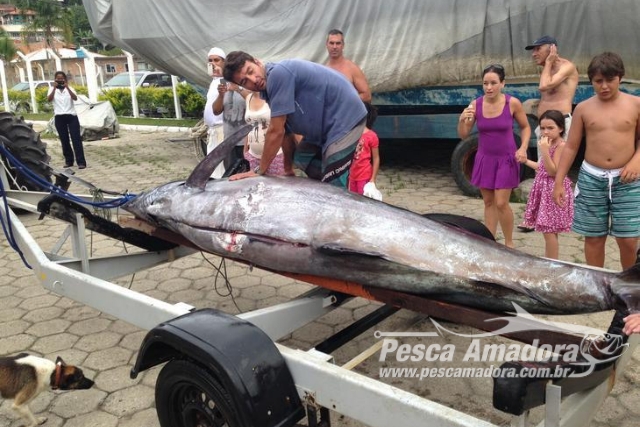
202 172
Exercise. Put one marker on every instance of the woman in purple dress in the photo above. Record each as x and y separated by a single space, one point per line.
496 170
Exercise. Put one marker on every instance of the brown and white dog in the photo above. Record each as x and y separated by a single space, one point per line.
24 376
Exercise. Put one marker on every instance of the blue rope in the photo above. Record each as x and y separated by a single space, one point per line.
46 185
54 189
8 230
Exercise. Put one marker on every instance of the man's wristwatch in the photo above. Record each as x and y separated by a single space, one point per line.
258 171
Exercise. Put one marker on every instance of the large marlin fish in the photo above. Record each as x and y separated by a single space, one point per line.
303 226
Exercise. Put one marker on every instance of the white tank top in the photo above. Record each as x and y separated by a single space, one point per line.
261 117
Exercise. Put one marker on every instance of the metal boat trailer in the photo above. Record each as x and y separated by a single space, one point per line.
246 375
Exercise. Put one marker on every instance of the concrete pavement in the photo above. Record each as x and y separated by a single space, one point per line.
39 322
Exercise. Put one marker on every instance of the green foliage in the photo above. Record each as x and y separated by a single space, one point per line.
120 101
114 51
21 100
191 101
156 101
50 17
7 47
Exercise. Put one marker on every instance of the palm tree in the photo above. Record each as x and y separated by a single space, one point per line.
50 18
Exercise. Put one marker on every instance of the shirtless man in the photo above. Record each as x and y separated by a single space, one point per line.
558 80
353 73
608 190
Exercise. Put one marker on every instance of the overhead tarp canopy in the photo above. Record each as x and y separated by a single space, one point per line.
399 44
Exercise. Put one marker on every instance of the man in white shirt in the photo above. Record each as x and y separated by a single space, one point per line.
215 63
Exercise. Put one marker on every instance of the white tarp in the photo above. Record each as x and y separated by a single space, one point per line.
98 120
399 44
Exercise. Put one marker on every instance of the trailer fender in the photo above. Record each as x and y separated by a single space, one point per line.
239 356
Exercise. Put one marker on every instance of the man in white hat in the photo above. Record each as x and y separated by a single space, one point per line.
215 63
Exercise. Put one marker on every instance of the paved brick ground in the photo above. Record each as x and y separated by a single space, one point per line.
37 321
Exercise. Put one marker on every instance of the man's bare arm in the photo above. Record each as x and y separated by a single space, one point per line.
361 84
549 81
568 155
631 171
273 141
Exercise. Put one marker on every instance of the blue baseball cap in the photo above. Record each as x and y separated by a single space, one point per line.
542 41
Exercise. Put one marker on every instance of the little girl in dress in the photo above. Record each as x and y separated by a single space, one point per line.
542 213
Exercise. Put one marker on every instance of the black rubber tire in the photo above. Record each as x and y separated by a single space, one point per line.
188 395
462 160
25 144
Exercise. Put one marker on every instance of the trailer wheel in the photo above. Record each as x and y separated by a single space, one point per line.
25 144
462 165
188 395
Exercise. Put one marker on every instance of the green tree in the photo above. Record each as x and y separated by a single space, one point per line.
7 48
82 32
51 17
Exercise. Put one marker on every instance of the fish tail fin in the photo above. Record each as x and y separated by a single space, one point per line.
626 289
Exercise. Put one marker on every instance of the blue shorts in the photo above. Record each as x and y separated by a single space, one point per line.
332 164
604 205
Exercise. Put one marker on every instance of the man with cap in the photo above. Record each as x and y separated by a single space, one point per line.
558 82
215 59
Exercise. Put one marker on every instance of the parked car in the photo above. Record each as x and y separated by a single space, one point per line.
24 86
142 79
23 103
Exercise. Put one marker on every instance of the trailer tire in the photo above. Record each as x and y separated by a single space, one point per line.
25 144
462 165
188 395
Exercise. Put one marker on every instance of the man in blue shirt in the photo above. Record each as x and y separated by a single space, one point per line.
310 100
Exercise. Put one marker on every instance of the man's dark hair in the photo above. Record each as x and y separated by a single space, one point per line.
372 114
608 64
335 32
234 62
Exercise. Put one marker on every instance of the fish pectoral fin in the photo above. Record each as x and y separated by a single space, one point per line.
334 249
528 292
